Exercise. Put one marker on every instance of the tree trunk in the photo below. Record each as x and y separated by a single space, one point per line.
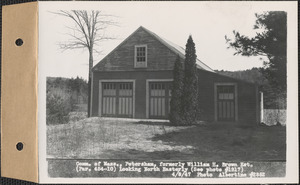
90 80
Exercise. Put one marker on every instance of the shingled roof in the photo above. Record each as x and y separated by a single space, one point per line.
173 47
178 50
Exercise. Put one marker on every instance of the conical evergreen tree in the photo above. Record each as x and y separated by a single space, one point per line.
190 91
177 89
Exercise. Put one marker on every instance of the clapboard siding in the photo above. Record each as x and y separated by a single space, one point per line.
159 57
206 80
246 96
140 78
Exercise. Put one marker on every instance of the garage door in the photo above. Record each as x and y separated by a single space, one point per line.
159 100
117 99
226 103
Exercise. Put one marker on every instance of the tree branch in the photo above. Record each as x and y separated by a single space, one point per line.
89 28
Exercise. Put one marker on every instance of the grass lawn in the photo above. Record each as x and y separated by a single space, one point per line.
100 138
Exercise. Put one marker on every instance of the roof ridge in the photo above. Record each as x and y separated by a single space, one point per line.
174 47
163 40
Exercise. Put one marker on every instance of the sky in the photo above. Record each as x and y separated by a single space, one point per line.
207 22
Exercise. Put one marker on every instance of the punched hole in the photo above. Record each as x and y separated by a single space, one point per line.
19 146
19 42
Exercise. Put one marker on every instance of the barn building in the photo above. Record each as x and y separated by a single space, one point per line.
134 81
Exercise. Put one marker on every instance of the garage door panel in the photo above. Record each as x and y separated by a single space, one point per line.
226 103
109 105
117 99
159 99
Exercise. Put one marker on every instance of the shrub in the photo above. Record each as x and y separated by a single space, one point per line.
190 88
59 105
177 88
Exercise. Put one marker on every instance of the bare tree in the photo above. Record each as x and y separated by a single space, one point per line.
86 33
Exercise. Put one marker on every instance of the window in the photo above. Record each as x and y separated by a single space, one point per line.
140 58
226 92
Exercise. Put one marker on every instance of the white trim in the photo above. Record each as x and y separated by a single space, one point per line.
91 101
147 91
235 99
135 55
261 107
116 80
100 98
257 105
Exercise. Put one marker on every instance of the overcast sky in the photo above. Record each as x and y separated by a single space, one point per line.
207 22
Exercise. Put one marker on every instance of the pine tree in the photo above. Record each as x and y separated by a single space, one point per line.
177 89
270 42
190 90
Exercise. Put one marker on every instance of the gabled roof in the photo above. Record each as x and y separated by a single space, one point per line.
173 47
178 50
